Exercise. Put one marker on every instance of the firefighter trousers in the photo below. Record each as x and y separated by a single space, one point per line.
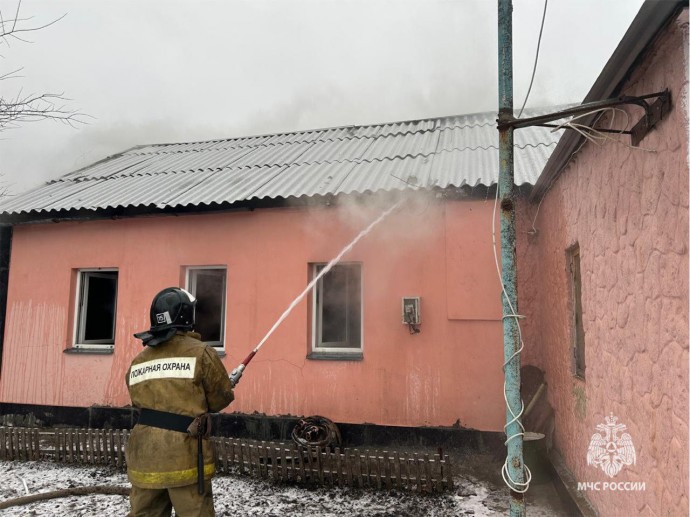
159 502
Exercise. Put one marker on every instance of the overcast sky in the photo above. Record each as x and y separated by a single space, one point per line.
152 72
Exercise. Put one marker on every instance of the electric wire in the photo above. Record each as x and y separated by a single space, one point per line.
516 486
536 58
598 138
589 134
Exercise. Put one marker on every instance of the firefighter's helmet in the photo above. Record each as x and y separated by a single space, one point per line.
172 309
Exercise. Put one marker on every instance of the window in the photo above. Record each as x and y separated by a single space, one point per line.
337 316
96 310
578 327
208 285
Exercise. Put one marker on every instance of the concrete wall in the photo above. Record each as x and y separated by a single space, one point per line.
449 373
628 210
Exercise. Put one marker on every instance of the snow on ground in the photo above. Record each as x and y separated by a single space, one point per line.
239 496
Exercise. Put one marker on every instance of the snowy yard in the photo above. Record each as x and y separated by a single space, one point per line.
240 496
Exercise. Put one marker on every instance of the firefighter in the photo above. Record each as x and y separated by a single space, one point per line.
176 381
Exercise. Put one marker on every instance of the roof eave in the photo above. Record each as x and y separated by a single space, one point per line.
479 191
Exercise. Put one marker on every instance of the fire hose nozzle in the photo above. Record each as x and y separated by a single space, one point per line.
236 375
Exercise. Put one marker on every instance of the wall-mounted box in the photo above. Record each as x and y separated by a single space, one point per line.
411 310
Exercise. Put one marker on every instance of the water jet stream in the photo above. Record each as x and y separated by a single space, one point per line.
237 372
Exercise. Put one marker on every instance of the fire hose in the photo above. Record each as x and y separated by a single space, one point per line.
316 431
66 492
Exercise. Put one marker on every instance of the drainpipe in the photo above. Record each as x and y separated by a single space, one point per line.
514 470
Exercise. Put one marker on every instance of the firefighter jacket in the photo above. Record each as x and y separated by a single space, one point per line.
181 376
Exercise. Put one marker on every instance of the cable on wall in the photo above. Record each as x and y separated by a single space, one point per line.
590 134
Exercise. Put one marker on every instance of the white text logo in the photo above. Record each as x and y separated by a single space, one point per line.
621 486
609 450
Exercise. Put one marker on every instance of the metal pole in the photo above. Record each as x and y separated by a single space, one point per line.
506 186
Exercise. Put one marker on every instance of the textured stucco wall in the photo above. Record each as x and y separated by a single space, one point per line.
449 372
628 210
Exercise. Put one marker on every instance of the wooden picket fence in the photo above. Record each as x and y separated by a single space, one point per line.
280 462
335 467
85 446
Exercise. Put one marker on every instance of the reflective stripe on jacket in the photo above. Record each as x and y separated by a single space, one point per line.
181 376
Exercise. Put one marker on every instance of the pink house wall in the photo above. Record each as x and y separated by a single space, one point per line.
628 210
449 373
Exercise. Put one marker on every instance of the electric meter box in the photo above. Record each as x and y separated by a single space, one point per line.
411 310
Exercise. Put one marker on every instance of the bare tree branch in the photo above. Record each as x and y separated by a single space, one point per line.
21 108
10 75
36 107
14 30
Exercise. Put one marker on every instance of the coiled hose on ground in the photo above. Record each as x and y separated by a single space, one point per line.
316 431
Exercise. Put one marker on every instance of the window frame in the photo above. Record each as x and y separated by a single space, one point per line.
316 316
578 345
190 282
80 310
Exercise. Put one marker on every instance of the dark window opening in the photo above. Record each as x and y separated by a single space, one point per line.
208 286
338 308
97 308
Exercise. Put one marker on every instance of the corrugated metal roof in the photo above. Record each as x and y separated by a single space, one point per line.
442 152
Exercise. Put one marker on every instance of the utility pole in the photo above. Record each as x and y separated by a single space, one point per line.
514 469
